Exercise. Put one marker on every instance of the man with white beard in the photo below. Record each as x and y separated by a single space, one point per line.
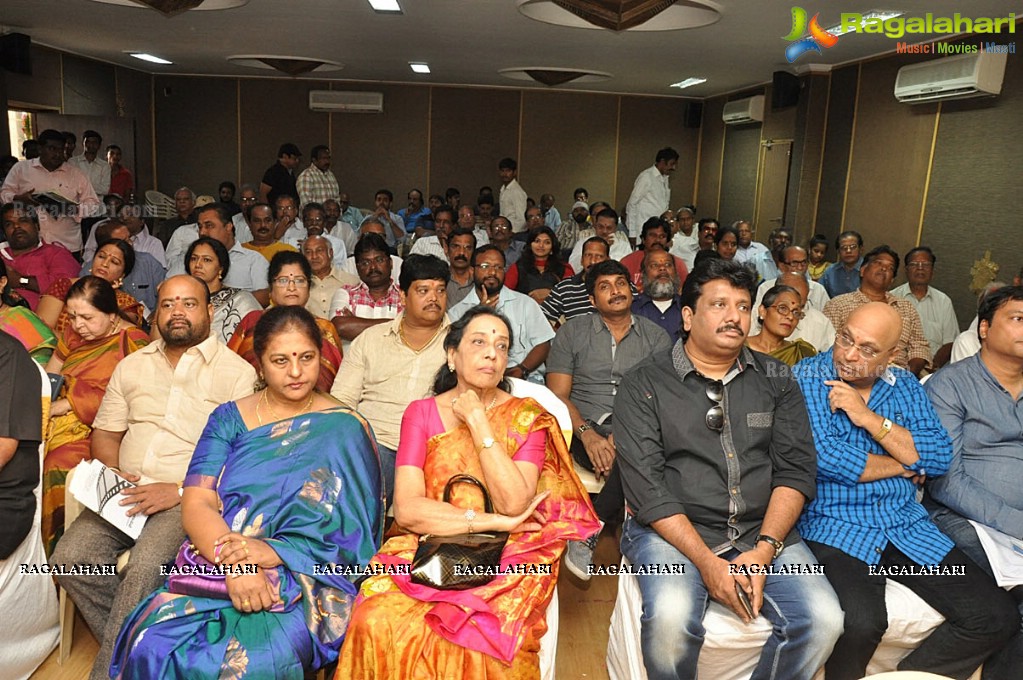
659 300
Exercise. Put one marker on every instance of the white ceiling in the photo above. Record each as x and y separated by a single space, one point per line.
465 41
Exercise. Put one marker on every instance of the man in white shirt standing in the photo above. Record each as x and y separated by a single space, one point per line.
651 194
934 307
92 164
513 196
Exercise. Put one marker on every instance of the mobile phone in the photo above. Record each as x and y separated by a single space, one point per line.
744 599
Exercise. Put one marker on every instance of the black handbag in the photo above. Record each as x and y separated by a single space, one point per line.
461 561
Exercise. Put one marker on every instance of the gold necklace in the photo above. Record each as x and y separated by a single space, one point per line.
404 340
266 400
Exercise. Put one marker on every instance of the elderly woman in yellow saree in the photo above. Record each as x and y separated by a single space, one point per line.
97 337
400 629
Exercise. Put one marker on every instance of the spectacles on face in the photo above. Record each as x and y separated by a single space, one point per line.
785 310
919 265
486 266
298 281
797 263
715 418
845 341
848 249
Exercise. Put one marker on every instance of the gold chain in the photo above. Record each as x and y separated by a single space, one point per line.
266 400
401 334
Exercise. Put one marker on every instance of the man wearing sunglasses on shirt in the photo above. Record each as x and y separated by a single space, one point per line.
717 462
877 438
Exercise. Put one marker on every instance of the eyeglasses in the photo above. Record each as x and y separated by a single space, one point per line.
848 249
486 266
715 418
785 310
919 265
797 263
845 341
284 281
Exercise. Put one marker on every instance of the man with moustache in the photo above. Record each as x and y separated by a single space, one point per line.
314 220
155 407
372 298
531 334
748 248
279 178
660 302
655 235
706 228
261 221
32 265
717 462
50 173
461 246
394 226
651 194
589 358
317 183
877 438
436 244
605 225
373 226
327 277
393 363
795 260
499 233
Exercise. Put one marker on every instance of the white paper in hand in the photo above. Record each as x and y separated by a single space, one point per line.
98 488
1005 554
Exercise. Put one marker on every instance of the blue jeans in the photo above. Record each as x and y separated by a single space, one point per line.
802 609
387 472
1006 662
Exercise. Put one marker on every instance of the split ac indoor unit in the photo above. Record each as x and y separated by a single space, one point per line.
975 74
342 101
748 110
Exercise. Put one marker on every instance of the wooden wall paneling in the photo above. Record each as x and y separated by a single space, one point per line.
42 89
134 100
89 88
837 145
272 112
647 125
196 132
568 141
974 198
382 150
739 173
711 150
805 175
471 130
890 156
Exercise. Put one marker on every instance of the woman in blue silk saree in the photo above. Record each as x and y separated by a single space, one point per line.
302 513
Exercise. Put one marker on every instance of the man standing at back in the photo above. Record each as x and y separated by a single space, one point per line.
651 194
279 178
156 406
317 184
717 463
94 166
513 196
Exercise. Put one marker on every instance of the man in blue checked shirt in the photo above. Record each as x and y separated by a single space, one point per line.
877 438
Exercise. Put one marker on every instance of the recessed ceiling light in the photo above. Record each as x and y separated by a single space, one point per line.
419 66
150 58
881 15
688 82
385 6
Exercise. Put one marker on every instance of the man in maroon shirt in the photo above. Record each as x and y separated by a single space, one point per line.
32 265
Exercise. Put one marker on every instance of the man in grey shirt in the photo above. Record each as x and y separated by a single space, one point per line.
588 359
717 461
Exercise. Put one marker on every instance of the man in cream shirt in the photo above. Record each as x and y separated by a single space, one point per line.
155 408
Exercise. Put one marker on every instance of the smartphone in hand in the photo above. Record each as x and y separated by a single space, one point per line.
744 599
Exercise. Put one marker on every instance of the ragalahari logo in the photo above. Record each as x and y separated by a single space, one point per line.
818 36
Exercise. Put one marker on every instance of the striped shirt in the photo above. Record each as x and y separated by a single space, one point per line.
861 518
912 342
568 298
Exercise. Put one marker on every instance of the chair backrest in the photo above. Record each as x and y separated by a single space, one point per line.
547 399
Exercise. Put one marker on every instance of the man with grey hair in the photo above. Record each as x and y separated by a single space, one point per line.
795 260
328 277
659 300
748 248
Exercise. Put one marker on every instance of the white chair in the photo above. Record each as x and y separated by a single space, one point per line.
731 648
557 408
160 205
28 604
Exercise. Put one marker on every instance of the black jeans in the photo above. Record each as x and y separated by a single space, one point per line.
610 502
979 616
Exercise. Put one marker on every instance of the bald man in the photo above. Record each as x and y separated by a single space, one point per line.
877 438
814 327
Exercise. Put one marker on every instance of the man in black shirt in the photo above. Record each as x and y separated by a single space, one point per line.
717 460
21 430
279 178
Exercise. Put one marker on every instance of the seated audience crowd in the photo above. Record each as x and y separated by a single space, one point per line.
271 378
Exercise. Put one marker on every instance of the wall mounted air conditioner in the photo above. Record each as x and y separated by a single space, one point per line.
748 110
340 101
976 74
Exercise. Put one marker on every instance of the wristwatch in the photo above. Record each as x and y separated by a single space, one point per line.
583 428
487 443
775 543
886 427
